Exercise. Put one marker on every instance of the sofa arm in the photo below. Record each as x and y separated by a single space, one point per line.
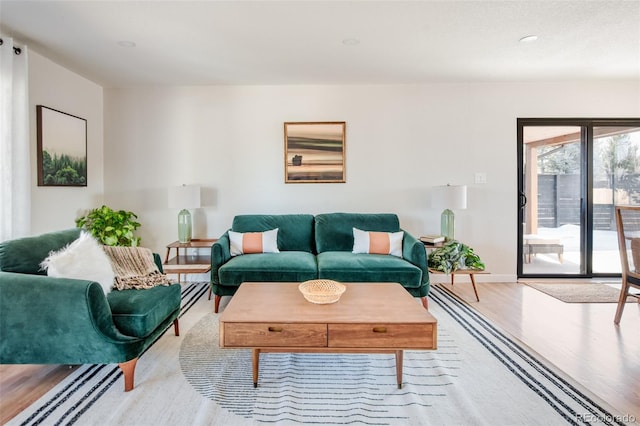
414 252
47 320
220 254
158 261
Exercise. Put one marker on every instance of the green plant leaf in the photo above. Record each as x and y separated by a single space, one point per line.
111 227
453 256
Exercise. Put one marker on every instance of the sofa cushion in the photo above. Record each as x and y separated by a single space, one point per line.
295 231
286 266
23 255
375 242
334 231
139 312
253 242
83 259
359 267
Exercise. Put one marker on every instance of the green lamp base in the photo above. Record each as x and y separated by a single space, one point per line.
184 226
447 228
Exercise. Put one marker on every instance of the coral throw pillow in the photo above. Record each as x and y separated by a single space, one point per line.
254 242
83 259
373 242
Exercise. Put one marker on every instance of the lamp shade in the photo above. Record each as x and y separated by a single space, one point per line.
184 197
453 197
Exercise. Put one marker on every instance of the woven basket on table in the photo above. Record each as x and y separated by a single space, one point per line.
322 291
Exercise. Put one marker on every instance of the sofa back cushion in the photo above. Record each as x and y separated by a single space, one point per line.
24 255
295 231
334 231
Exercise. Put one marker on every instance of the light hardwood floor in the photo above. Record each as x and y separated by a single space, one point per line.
579 339
21 385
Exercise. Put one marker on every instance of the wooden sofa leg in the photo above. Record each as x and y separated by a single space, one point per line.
128 369
216 303
425 302
176 327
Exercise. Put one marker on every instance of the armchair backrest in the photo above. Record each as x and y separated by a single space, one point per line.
24 255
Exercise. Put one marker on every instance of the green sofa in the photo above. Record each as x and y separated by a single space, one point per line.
320 246
46 320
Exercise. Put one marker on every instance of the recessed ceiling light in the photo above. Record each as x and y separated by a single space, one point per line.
126 43
350 41
529 39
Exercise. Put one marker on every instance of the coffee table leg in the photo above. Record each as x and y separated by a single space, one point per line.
399 358
256 362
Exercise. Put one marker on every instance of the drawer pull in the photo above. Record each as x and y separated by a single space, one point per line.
379 329
275 329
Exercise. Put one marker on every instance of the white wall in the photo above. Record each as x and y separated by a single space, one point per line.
401 141
55 208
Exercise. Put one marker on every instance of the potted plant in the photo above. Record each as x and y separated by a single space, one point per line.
453 256
110 227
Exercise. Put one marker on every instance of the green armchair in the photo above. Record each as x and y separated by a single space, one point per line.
46 320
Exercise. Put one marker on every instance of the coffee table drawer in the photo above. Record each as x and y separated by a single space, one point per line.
396 336
274 335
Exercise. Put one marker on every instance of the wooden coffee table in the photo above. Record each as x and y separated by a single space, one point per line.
368 318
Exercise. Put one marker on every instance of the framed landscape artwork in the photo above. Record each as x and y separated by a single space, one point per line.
314 152
62 148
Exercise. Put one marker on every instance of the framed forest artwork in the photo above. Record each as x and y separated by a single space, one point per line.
62 148
314 152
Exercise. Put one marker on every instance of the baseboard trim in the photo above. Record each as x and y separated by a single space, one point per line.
479 278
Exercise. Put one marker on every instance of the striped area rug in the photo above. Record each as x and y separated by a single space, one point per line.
477 376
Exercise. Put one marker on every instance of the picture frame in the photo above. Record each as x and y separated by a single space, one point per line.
61 149
314 152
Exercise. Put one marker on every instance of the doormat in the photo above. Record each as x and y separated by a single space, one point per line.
581 293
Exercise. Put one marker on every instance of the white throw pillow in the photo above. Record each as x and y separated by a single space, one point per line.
373 242
83 259
253 242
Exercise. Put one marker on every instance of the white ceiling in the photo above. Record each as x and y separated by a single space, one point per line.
301 42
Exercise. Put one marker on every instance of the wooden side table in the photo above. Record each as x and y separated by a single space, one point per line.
470 272
429 246
186 263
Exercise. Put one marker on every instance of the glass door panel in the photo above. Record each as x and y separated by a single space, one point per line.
551 200
616 180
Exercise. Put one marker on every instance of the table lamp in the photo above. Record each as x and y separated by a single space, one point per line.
449 197
184 197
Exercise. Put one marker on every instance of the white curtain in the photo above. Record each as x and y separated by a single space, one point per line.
15 165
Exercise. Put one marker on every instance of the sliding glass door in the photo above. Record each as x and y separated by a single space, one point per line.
552 220
616 180
571 174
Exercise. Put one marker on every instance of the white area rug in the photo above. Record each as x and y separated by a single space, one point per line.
477 376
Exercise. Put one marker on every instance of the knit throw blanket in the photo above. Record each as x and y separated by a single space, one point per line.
134 268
